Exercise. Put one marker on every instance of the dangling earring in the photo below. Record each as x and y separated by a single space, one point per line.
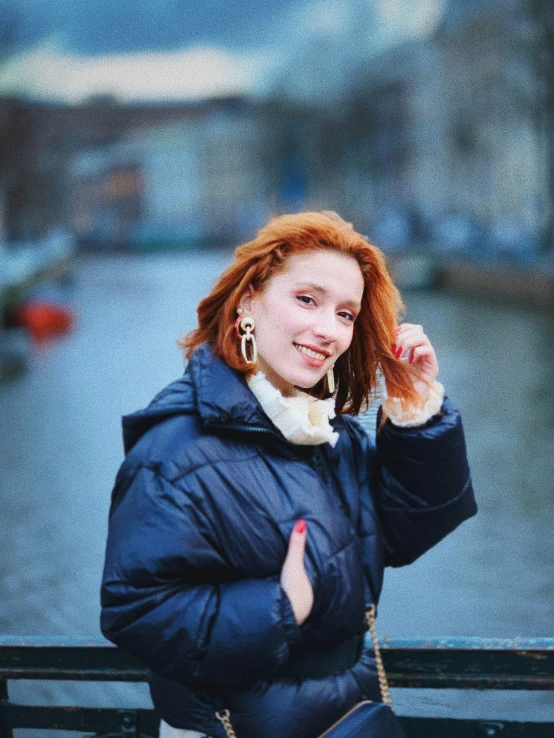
243 329
331 381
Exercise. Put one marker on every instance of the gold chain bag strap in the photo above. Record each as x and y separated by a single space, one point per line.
381 674
224 716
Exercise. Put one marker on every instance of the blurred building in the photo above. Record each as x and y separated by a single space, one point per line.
454 151
102 167
436 129
491 95
445 138
201 180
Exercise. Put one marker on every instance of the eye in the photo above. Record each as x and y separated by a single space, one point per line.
349 316
305 299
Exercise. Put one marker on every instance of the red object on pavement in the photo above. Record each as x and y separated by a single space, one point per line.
43 319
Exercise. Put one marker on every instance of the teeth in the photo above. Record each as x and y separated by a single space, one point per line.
309 352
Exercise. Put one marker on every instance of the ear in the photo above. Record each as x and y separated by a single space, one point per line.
245 301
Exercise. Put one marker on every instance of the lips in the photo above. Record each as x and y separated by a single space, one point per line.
313 352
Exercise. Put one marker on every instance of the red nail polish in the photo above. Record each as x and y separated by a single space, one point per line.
394 348
300 526
399 352
411 357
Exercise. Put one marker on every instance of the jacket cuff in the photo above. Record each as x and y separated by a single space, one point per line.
408 416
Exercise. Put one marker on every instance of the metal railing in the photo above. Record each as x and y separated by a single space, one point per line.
441 663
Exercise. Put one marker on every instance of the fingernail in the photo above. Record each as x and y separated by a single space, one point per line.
399 352
394 348
411 357
300 526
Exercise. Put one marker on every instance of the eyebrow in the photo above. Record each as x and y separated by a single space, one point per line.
319 288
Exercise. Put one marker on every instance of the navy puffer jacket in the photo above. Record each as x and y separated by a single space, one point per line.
202 511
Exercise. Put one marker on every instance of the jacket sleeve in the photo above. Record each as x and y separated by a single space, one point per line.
422 484
158 603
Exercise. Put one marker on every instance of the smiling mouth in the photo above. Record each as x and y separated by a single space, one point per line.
310 352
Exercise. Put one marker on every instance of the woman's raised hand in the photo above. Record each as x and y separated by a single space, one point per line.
411 341
294 579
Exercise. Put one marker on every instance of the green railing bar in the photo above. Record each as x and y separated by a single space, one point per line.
479 663
431 663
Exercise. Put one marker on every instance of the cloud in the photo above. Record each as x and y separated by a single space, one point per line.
410 18
312 52
47 72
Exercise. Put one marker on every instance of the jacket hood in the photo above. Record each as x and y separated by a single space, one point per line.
209 388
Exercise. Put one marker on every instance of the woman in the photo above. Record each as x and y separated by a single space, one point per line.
250 525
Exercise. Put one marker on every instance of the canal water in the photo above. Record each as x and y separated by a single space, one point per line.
60 447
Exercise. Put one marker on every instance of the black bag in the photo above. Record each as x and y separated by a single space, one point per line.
366 720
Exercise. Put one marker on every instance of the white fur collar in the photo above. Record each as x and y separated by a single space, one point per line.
301 418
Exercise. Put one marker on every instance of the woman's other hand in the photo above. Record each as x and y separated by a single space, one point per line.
412 342
294 579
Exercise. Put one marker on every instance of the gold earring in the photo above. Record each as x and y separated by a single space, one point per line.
331 381
245 328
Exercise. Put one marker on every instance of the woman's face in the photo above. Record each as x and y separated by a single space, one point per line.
305 317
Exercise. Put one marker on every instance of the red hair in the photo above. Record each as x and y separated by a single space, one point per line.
374 330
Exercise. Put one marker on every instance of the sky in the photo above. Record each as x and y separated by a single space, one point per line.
114 26
70 50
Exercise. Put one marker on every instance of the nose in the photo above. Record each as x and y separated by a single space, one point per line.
325 326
